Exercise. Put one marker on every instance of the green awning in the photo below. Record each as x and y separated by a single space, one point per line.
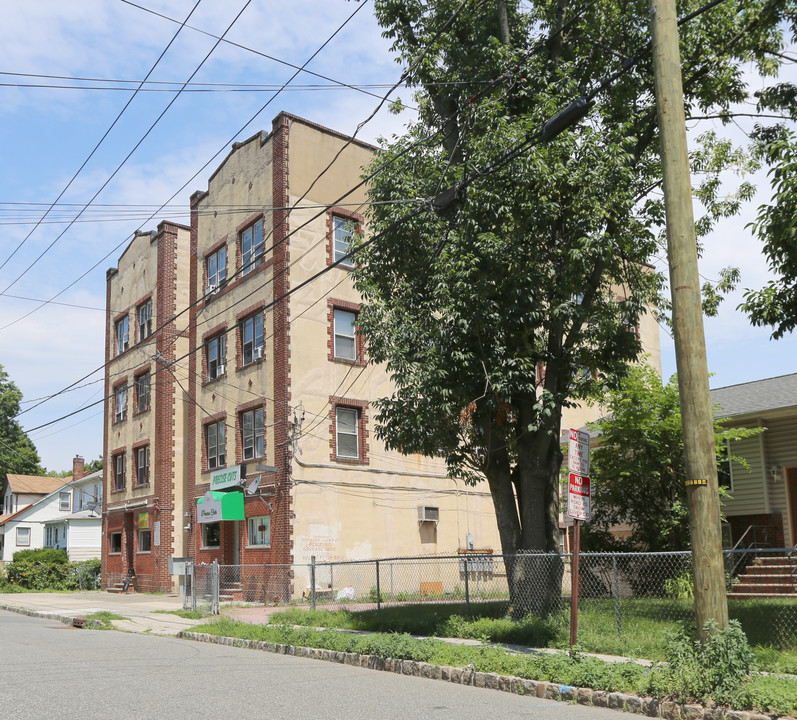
215 506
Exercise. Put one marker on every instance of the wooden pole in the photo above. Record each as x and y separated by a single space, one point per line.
690 347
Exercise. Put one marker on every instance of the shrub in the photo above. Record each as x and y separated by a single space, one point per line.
41 555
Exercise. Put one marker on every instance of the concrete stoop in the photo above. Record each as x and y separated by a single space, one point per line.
520 686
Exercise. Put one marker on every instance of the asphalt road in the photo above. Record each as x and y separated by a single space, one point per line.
50 670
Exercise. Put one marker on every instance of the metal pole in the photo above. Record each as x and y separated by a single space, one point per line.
690 346
312 582
467 588
193 586
616 595
378 594
574 579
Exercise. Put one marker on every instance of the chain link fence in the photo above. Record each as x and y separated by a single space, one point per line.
618 592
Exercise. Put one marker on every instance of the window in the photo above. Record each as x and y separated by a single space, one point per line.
215 436
211 535
217 268
345 334
115 543
23 537
142 465
259 530
144 320
216 350
50 537
119 472
122 336
142 392
346 432
342 232
252 434
144 541
120 402
724 472
63 501
252 338
252 247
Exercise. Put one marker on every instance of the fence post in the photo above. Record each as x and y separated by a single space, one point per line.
616 595
378 594
312 582
193 586
467 587
214 582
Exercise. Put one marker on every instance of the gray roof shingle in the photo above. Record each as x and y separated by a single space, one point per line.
756 397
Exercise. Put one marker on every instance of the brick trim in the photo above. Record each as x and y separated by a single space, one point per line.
362 430
222 327
359 343
333 212
251 310
215 248
251 220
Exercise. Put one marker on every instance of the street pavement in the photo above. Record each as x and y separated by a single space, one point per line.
50 669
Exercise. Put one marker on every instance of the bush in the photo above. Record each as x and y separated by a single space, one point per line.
50 569
50 556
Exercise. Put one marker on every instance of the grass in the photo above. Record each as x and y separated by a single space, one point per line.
102 620
646 624
772 694
189 614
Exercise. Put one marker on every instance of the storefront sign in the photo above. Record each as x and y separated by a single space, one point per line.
215 506
227 478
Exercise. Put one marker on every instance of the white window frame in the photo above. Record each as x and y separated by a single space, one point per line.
216 349
253 434
256 537
64 495
122 335
142 392
119 472
342 234
142 453
252 247
340 411
217 267
338 332
219 436
144 314
120 403
251 338
20 532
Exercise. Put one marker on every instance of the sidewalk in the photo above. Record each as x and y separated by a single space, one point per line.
139 609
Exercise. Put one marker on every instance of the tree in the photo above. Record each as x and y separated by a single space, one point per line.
637 466
502 308
17 453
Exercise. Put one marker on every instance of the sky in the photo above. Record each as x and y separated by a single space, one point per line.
138 158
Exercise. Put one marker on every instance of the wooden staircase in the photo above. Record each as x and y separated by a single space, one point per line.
767 577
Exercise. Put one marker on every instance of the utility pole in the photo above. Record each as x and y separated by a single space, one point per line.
690 346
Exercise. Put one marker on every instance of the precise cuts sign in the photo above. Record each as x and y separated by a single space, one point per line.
578 487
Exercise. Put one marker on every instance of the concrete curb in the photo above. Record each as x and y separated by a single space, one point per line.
519 686
65 619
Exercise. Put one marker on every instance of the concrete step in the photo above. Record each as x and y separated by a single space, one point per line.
761 595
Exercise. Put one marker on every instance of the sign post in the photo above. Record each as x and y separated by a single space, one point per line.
578 508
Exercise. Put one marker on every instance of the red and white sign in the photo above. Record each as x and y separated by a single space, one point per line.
578 452
578 497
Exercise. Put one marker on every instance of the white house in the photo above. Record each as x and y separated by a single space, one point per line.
69 517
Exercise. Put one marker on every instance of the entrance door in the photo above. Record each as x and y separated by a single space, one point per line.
791 503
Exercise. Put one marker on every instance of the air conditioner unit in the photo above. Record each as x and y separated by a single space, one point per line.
258 353
220 370
211 289
428 514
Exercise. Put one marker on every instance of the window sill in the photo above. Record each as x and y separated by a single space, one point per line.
350 461
210 547
117 491
119 421
115 553
348 361
143 552
257 547
141 412
258 361
140 486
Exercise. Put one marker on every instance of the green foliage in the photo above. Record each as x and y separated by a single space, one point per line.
103 620
17 452
637 467
770 694
714 668
50 569
681 587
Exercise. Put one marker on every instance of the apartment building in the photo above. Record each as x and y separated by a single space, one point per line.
145 413
261 425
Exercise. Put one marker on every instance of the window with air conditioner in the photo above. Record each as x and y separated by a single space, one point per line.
252 338
215 349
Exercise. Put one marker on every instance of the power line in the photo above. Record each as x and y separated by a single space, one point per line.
135 147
